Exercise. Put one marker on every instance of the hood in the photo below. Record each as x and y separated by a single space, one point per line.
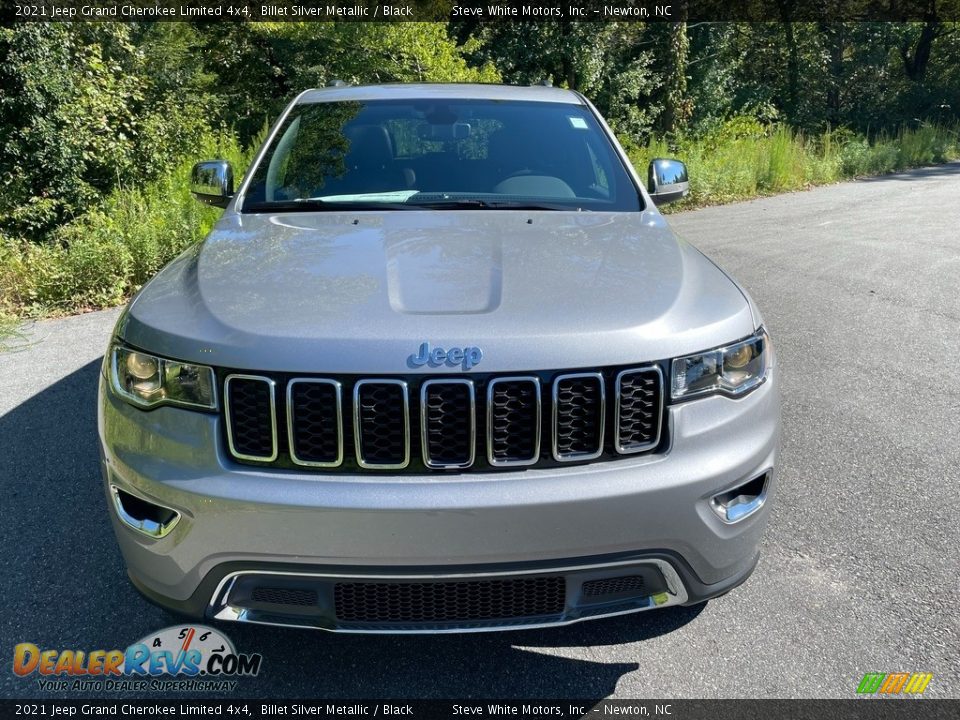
360 292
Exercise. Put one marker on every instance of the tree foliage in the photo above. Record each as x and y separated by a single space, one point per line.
85 107
89 107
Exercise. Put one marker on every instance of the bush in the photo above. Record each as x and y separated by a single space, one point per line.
105 255
41 279
925 145
84 108
743 158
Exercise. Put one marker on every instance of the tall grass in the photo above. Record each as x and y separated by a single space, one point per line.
9 331
744 159
102 257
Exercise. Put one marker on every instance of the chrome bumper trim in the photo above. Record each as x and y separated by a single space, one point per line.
220 609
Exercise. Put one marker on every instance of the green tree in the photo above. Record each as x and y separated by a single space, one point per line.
677 108
85 107
609 62
290 57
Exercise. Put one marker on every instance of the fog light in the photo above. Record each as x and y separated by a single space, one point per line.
742 501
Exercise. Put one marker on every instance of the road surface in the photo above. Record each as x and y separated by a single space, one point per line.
860 287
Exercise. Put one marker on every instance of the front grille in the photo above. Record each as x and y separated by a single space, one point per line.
578 408
449 423
639 407
442 424
452 601
315 422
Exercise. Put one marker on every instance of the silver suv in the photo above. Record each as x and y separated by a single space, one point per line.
441 365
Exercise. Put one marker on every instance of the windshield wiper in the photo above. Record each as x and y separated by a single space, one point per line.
317 204
311 205
478 204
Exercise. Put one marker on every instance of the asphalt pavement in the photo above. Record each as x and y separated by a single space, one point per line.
859 284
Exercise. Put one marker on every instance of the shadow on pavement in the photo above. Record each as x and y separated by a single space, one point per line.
67 588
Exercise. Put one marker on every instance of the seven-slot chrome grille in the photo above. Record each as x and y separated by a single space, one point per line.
443 423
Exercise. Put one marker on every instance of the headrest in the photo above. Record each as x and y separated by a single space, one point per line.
370 146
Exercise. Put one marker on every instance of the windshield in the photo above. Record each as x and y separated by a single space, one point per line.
443 154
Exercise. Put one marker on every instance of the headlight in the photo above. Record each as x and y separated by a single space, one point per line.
733 370
147 380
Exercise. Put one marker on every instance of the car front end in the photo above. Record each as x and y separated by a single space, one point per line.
363 419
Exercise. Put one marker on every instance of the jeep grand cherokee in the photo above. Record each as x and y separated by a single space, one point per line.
441 365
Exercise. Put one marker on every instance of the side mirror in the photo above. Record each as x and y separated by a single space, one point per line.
211 182
667 180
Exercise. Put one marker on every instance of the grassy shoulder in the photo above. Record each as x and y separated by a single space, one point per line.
100 258
10 335
744 159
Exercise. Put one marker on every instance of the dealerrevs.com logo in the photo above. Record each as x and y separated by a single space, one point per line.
191 657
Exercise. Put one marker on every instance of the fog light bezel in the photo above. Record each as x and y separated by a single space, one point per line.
733 514
149 527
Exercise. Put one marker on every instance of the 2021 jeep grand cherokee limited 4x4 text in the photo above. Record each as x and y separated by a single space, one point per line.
441 365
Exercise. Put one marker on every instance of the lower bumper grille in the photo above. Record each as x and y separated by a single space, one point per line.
284 596
614 586
439 604
432 602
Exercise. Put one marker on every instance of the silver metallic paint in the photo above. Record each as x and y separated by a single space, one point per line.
232 512
352 292
314 293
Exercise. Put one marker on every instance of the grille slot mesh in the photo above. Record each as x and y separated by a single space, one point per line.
315 422
513 417
251 417
614 586
382 417
284 596
578 416
430 602
640 399
448 423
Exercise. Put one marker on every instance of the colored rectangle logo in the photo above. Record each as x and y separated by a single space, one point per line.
900 683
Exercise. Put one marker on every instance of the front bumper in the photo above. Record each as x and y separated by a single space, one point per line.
644 514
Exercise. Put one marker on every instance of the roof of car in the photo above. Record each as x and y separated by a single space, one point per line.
448 91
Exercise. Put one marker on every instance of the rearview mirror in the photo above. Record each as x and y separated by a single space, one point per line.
211 182
667 180
453 131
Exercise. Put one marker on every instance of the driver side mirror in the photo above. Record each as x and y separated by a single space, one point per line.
667 180
211 182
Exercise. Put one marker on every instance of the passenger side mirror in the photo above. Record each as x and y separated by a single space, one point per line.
211 182
667 180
